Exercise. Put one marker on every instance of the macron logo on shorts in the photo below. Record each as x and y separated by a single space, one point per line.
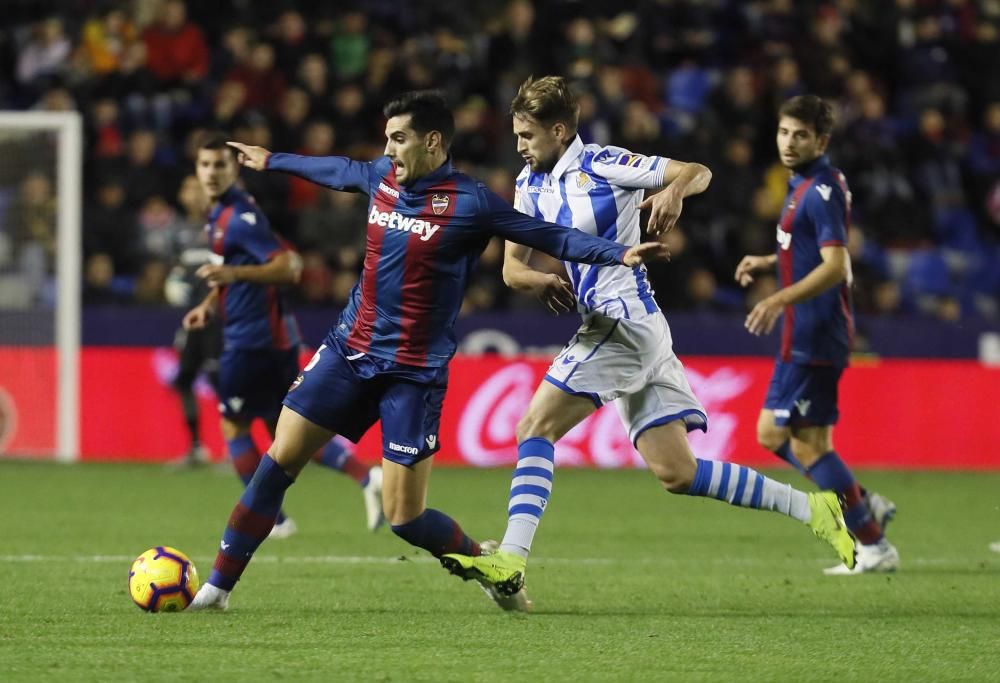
397 221
399 448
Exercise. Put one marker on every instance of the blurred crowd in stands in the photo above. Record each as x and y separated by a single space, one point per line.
914 82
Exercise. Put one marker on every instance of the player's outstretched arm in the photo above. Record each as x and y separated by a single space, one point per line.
338 173
565 244
681 179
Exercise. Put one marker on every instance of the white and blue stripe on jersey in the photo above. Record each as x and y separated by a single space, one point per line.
597 190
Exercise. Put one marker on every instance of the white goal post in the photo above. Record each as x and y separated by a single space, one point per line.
68 128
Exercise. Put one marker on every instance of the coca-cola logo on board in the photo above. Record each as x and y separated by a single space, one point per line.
488 422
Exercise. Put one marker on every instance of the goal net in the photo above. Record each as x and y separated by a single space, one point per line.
40 255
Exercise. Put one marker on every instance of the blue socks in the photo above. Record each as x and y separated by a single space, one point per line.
530 488
437 533
250 522
745 487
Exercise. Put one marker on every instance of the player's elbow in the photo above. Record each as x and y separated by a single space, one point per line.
704 175
841 270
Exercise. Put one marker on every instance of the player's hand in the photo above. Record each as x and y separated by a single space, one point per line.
666 209
216 274
646 252
555 293
196 318
764 315
750 265
250 156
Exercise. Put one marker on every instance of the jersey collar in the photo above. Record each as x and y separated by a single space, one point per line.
225 199
572 154
433 178
809 170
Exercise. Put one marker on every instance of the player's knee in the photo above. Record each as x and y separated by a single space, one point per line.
675 475
770 438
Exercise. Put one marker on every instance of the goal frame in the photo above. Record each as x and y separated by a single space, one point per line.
69 193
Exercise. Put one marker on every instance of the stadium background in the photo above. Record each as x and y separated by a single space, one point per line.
918 136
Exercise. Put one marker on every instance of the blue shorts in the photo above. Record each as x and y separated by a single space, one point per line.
347 392
803 395
252 382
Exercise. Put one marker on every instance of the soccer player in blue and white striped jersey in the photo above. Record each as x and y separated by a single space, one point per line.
622 353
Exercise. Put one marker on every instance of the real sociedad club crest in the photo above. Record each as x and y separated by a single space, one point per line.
439 203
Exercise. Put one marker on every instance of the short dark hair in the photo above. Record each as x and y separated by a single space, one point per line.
215 140
811 110
548 100
428 110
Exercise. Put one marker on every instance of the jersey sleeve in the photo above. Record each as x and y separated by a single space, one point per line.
565 244
826 207
253 233
338 173
626 169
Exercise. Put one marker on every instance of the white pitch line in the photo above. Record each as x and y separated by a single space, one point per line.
422 559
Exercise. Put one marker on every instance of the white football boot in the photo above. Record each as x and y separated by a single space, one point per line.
210 597
883 510
518 602
881 557
995 547
373 498
284 529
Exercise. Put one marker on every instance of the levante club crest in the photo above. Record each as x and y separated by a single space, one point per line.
439 203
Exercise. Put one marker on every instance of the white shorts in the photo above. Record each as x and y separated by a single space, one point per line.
632 363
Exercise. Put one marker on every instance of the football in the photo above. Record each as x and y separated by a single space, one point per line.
162 579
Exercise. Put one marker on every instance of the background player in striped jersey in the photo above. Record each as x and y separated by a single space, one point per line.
623 351
259 359
387 357
814 269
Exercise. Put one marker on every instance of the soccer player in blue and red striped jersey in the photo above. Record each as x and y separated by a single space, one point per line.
386 359
814 270
259 360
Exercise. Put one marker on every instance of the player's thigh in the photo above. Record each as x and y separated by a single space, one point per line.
295 440
769 434
665 397
404 489
552 412
668 454
252 382
328 392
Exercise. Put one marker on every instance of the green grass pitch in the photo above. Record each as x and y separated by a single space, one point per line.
629 584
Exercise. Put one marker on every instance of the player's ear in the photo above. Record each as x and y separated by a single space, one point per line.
559 131
432 140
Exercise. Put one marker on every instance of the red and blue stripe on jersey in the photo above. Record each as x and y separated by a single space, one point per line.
413 283
254 316
424 240
816 214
